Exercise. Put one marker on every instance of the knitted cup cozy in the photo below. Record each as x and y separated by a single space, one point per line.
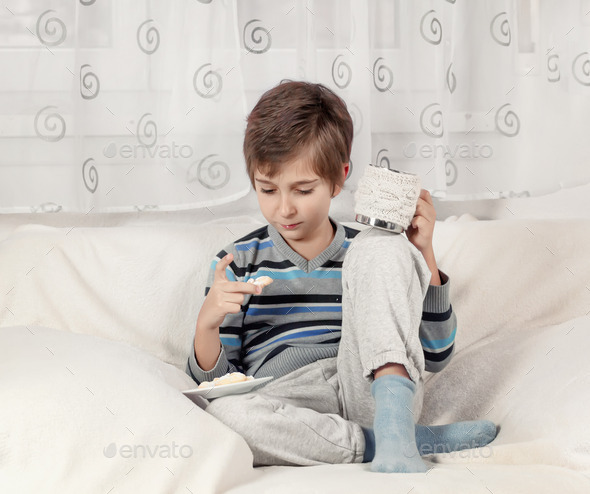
386 198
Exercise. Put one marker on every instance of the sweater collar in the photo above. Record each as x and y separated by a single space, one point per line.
300 261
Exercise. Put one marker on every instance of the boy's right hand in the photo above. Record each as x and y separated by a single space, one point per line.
224 297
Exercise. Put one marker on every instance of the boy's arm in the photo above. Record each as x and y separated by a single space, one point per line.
217 349
222 367
428 255
439 323
438 326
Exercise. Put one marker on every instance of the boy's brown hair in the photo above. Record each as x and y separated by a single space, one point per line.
299 119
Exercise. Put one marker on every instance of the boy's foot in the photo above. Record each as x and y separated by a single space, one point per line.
433 439
394 426
454 437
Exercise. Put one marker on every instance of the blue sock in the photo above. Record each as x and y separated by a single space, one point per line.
454 437
442 438
394 426
369 444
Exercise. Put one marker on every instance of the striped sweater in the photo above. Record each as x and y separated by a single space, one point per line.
297 319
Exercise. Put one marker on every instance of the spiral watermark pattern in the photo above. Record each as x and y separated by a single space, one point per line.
90 175
259 36
553 68
341 73
211 174
87 3
507 122
148 38
451 172
207 84
431 121
451 79
434 35
89 83
500 29
382 76
147 131
51 31
382 160
581 68
54 126
357 117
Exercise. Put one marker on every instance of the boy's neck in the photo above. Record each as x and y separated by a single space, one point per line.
311 248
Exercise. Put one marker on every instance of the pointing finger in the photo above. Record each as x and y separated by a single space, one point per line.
243 287
223 263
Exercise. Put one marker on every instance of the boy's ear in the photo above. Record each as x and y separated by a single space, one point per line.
338 188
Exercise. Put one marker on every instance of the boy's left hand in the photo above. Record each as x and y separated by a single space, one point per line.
421 229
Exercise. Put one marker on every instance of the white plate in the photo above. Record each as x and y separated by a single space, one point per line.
227 389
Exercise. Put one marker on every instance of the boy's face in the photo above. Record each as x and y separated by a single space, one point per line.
296 202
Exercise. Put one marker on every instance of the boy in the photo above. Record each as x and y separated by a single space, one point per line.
347 341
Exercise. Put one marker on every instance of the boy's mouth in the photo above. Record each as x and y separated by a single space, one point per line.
290 227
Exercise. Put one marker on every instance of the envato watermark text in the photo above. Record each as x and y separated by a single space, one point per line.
142 151
464 450
148 451
463 150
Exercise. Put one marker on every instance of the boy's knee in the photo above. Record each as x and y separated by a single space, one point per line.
389 254
379 243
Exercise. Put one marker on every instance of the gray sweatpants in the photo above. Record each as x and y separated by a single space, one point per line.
314 414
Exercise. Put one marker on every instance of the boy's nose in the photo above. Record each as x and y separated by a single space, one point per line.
286 208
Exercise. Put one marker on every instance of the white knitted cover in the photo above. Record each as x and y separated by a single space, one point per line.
387 195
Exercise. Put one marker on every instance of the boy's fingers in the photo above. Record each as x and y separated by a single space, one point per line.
243 287
234 286
424 194
223 263
425 209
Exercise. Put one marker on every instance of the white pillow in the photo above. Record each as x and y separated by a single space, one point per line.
514 273
140 284
534 383
81 413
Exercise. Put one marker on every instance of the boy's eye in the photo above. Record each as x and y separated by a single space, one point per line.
302 192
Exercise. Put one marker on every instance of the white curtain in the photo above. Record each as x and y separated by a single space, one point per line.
141 104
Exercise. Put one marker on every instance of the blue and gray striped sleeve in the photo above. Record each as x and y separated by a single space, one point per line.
438 326
229 333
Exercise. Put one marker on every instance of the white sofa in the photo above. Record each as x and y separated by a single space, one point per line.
96 324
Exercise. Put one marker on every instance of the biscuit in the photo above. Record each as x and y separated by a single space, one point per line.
261 281
234 377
